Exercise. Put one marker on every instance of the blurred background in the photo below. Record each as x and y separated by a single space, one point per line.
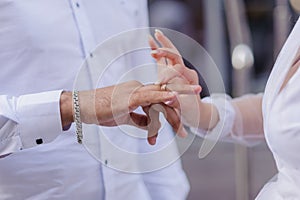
244 38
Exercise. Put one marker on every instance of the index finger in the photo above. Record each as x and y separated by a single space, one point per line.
164 41
157 90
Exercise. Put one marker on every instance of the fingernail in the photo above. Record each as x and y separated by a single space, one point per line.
157 83
183 133
169 102
152 140
154 52
158 31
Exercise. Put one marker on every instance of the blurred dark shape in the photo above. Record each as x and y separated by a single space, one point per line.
171 14
205 91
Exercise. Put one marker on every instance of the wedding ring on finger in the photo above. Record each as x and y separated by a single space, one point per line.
163 87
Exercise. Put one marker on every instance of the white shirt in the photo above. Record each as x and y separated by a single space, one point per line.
42 44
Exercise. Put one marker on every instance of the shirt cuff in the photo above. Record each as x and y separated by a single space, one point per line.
39 118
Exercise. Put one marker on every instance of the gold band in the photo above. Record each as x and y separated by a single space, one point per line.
163 87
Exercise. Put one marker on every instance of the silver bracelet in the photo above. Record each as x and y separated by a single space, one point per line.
78 123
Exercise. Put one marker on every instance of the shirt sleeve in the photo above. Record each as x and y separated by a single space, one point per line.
29 120
240 119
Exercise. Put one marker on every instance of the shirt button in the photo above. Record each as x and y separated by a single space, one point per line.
77 5
136 12
105 162
39 141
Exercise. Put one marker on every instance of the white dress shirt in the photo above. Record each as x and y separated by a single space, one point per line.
42 45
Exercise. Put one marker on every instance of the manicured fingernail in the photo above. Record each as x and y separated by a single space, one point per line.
158 31
157 83
169 102
154 52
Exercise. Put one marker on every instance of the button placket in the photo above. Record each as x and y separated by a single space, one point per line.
84 28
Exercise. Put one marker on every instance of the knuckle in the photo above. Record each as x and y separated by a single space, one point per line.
177 55
132 102
143 98
178 68
194 76
193 72
181 69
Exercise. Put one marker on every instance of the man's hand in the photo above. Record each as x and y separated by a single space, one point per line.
115 105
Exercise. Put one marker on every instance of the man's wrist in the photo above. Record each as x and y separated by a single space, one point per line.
66 109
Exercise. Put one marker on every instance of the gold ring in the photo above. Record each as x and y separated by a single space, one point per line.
163 87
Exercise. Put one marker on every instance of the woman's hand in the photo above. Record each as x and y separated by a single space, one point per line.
171 69
170 62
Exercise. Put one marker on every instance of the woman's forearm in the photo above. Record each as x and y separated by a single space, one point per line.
209 116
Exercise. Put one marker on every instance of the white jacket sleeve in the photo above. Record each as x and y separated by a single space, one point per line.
28 120
240 119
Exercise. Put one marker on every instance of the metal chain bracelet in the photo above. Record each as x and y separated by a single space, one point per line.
78 123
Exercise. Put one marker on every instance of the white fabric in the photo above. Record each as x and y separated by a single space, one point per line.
281 124
42 45
26 131
234 124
